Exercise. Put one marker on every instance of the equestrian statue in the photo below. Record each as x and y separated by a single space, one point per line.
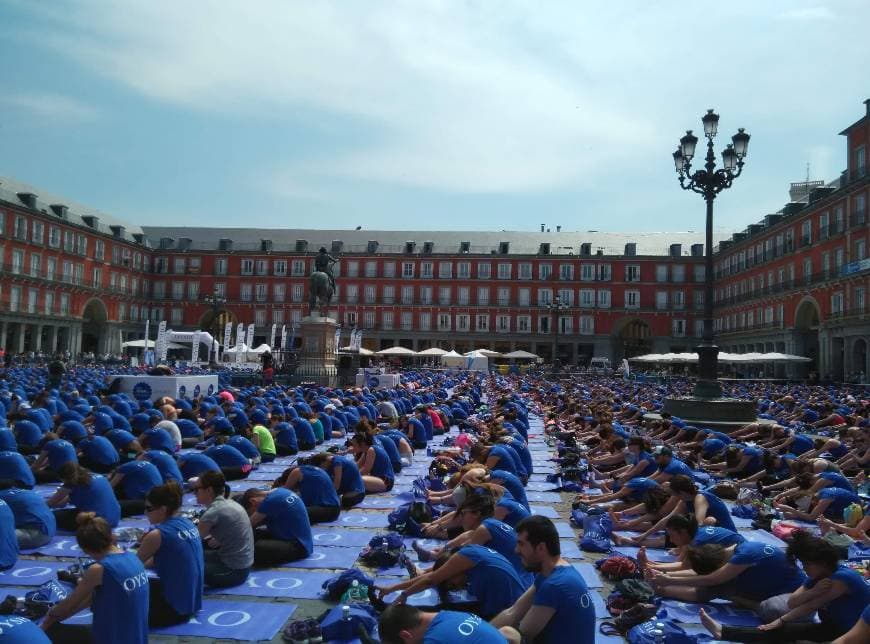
322 282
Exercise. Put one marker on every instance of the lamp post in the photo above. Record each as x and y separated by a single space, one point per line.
555 307
709 182
216 301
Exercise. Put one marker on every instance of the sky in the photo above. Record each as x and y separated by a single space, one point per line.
419 115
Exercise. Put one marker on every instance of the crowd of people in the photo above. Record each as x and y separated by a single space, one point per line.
659 480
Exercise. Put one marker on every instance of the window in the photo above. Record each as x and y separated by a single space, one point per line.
99 250
444 322
353 269
524 324
389 269
370 293
525 271
37 232
64 303
279 267
587 272
545 296
566 272
192 290
297 267
544 271
632 273
464 296
837 303
587 297
261 292
543 324
587 325
678 299
177 289
159 290
407 295
661 272
566 325
54 237
352 294
407 269
279 292
371 270
838 259
604 272
220 289
504 297
807 233
632 299
661 299
524 296
860 249
17 261
445 270
426 270
678 273
481 323
20 230
389 294
426 295
504 271
32 299
179 265
246 292
176 316
678 328
859 299
387 320
49 303
408 321
484 271
463 322
503 324
699 327
35 264
220 266
566 296
603 299
483 296
298 293
247 267
260 317
2 223
278 317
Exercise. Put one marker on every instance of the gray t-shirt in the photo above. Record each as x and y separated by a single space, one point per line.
173 430
231 527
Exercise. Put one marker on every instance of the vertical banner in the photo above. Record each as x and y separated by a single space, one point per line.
249 339
272 337
358 341
194 349
147 332
228 333
283 337
291 344
240 340
163 347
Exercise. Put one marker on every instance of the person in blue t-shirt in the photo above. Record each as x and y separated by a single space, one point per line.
28 436
669 467
20 630
15 472
838 594
54 454
373 463
97 454
346 478
34 522
828 502
859 633
165 464
747 571
511 483
682 530
285 438
115 588
490 577
232 462
8 538
708 508
286 535
174 549
403 624
414 429
194 464
132 482
87 493
305 437
315 488
557 607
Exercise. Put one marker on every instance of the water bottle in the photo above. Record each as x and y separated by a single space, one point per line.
385 544
345 613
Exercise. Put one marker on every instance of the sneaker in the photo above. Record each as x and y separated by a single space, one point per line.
315 636
296 632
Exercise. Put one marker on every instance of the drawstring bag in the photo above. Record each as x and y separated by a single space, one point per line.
335 587
618 567
596 533
659 630
335 625
38 602
383 551
853 514
409 519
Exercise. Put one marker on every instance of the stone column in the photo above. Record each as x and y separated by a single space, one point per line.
3 326
317 357
21 333
37 345
52 338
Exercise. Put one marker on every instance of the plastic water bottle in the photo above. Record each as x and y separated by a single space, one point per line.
345 613
385 544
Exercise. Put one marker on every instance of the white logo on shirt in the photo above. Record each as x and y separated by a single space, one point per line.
468 625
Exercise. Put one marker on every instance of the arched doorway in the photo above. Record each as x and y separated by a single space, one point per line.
859 359
806 329
94 318
215 322
633 339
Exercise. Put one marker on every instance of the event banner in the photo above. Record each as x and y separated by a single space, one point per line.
228 332
249 339
338 338
162 341
240 340
272 337
147 332
194 351
283 337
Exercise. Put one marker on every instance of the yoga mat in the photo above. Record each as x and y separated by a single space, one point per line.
244 621
589 574
763 536
59 546
355 519
544 497
540 486
741 523
599 604
341 537
429 544
538 478
29 572
338 558
297 584
544 511
565 530
427 598
725 613
262 475
401 571
570 549
46 490
653 554
380 502
241 486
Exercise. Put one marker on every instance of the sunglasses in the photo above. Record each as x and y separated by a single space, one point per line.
150 508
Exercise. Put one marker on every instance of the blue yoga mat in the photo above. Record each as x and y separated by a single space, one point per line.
46 490
599 604
241 486
741 523
400 571
60 546
654 554
570 549
296 584
380 502
544 497
429 544
589 574
540 486
725 613
763 536
338 558
245 621
341 537
27 572
262 475
565 530
428 598
544 511
354 519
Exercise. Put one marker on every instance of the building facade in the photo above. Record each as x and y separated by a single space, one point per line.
76 279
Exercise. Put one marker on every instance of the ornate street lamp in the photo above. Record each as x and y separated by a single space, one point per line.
709 182
217 302
555 307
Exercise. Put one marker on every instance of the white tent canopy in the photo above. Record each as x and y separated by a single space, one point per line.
263 348
362 351
187 337
433 351
395 351
487 353
520 355
139 344
676 358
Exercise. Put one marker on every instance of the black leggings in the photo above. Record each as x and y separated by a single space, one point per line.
322 513
71 634
235 473
160 613
351 499
270 551
284 450
66 519
789 632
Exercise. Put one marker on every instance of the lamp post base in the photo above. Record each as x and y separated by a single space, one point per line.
707 389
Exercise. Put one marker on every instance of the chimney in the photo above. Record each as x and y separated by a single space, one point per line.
28 199
542 227
630 249
558 229
225 244
697 250
184 243
91 221
117 231
867 104
676 250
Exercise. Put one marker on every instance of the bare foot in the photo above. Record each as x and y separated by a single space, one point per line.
642 559
710 624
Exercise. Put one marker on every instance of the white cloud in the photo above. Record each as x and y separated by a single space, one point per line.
50 107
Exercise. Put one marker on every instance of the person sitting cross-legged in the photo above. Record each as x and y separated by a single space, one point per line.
403 624
286 535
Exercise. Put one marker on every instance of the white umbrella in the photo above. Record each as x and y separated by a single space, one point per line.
433 351
520 355
362 351
486 353
138 344
263 348
395 351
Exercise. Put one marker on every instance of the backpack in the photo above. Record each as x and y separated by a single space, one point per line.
336 586
670 633
596 533
617 567
784 530
383 551
336 626
764 520
853 514
627 618
635 589
408 519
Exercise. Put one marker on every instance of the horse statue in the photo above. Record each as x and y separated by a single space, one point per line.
320 289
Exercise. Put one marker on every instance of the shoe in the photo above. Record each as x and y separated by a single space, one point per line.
315 636
296 632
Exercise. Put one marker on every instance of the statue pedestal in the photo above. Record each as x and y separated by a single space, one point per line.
317 356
